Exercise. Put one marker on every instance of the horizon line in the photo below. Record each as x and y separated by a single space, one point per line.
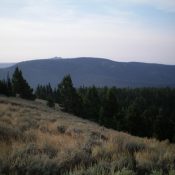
84 57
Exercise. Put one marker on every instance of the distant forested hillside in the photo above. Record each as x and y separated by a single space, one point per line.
95 71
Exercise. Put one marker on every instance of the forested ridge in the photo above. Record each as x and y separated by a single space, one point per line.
146 112
89 71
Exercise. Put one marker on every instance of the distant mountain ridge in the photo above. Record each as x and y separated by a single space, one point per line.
95 71
5 65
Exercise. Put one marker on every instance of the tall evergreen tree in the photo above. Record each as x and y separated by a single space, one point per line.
21 86
68 95
6 86
3 87
92 104
9 86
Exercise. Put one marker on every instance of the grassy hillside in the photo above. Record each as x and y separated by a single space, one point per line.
35 139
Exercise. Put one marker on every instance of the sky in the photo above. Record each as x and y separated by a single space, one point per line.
121 30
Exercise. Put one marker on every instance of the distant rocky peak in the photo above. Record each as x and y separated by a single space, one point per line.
56 58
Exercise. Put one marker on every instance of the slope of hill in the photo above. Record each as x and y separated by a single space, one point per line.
93 71
35 139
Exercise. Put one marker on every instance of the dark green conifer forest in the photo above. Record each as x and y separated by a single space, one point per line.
146 112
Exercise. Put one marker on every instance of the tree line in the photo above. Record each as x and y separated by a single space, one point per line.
146 112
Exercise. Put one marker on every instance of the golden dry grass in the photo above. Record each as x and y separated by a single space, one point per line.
35 139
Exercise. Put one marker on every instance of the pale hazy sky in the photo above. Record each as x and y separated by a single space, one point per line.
122 30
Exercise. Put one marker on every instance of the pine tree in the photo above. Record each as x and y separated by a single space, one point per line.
50 102
92 104
17 81
21 86
9 86
3 87
6 86
110 108
68 96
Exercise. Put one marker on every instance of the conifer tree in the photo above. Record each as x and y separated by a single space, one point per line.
9 86
6 86
21 86
3 87
68 95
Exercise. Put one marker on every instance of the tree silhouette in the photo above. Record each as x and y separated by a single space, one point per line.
68 96
21 86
